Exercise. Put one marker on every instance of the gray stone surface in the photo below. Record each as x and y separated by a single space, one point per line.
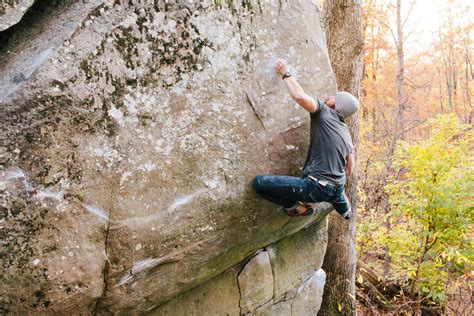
249 282
309 295
262 309
255 283
294 259
218 296
12 11
131 133
279 309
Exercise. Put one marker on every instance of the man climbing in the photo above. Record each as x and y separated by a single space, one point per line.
329 159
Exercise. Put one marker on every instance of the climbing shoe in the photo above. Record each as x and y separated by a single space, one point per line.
301 209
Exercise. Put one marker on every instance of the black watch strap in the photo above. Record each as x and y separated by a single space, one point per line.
285 75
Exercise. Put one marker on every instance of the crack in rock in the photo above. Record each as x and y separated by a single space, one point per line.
105 271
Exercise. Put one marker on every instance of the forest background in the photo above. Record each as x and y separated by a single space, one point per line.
415 158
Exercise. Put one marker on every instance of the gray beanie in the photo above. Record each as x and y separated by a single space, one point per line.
346 104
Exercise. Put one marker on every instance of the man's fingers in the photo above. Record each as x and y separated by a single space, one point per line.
281 66
282 61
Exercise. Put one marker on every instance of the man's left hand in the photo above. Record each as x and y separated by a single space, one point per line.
281 67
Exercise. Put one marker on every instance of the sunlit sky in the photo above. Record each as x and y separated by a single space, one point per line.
427 16
425 19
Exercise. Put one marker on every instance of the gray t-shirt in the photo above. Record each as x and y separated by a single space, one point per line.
329 145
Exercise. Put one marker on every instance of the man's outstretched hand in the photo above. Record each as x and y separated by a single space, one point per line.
281 67
295 90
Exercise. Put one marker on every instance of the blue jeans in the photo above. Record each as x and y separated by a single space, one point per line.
286 191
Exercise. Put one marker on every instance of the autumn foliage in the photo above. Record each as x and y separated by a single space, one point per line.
415 164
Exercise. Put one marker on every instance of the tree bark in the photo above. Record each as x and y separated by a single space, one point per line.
342 21
399 133
400 74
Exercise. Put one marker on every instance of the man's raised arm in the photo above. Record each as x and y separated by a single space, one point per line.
295 90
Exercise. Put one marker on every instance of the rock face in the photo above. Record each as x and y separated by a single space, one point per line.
12 11
255 283
131 131
253 291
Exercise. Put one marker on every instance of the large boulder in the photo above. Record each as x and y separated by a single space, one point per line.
132 131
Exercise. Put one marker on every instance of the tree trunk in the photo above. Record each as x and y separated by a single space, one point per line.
387 260
342 21
468 78
400 74
399 132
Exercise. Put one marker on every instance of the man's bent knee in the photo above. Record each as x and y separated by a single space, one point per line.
256 185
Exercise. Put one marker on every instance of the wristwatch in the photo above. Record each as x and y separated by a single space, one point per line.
286 75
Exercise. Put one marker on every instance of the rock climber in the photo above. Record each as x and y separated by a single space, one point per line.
328 162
